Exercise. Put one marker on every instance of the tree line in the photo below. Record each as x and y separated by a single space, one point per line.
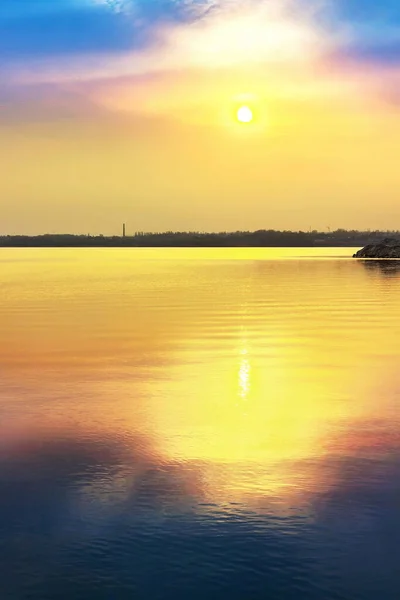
260 238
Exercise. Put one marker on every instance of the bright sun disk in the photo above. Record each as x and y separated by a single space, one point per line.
245 114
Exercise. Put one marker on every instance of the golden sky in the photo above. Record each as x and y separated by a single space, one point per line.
132 116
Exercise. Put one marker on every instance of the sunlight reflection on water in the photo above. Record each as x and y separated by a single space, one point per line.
217 423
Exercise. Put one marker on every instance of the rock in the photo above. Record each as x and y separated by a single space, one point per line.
387 248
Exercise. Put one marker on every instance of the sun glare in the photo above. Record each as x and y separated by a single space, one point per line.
245 114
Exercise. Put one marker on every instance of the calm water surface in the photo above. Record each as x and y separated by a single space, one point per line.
204 424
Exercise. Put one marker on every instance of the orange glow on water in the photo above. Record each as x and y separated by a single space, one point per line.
204 356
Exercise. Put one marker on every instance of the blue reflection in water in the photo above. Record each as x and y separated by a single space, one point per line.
67 533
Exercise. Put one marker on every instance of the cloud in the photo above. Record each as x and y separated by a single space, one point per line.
226 35
290 47
49 30
70 27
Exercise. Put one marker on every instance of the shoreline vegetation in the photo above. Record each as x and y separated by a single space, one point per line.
244 239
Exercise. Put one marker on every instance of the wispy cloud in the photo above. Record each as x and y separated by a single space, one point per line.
218 35
114 49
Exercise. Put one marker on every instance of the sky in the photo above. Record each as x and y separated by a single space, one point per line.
118 111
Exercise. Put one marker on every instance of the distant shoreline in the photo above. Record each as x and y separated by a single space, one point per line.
239 239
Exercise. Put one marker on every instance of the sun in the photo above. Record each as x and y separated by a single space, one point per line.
245 114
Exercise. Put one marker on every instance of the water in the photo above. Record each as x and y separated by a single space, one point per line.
198 424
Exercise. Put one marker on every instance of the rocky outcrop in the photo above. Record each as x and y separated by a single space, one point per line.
387 248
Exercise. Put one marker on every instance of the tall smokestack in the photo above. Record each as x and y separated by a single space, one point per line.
123 230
